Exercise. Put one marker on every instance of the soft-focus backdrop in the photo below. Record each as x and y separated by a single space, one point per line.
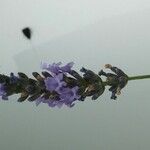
90 33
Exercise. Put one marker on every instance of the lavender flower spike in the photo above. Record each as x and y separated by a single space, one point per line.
61 85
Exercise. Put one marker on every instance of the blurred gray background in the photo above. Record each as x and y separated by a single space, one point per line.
90 33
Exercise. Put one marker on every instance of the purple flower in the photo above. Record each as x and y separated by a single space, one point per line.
56 68
67 97
54 83
3 92
53 103
50 102
67 67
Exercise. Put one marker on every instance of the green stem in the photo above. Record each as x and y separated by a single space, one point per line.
139 77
